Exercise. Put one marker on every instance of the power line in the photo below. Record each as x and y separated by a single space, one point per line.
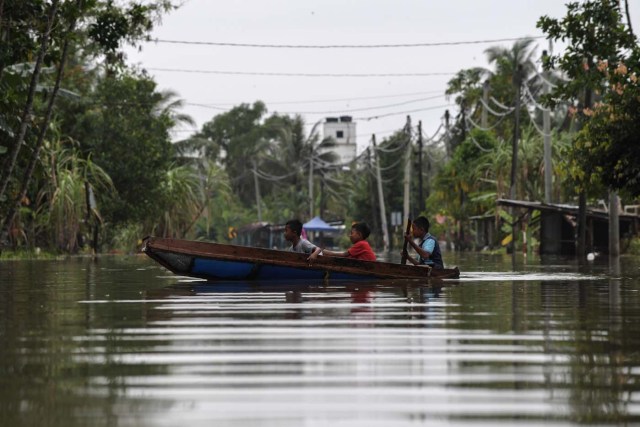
319 101
379 116
343 46
333 111
280 74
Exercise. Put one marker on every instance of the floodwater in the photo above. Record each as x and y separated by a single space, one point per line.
123 342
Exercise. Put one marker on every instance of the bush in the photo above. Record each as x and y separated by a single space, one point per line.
128 238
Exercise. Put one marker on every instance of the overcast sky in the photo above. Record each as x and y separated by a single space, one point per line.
332 22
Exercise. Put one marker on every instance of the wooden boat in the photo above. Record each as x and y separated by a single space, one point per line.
214 261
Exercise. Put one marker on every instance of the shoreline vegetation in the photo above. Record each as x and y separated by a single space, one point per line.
90 165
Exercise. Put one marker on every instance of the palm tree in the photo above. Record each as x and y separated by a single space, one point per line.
167 105
507 60
467 85
298 159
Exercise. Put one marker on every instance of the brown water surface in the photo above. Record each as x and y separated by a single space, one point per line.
123 342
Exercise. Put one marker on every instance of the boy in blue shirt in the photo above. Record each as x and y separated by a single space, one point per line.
428 249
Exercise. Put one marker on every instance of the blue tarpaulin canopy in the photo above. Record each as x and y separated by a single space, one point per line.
317 224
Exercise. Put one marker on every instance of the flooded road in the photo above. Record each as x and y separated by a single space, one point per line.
123 342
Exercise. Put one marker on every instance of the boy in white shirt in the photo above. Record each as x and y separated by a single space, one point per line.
292 232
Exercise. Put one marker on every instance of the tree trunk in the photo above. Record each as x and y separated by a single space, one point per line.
626 8
582 198
2 38
10 163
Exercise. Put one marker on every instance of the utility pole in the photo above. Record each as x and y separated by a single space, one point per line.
256 184
372 191
420 162
310 141
582 198
383 213
516 133
484 120
517 80
311 185
447 144
463 113
447 140
407 171
614 224
546 129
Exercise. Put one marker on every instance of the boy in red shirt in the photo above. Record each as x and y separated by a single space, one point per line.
360 249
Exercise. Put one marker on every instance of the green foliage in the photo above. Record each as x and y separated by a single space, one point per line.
181 189
467 85
55 207
468 88
126 237
602 63
126 135
114 25
634 246
595 32
60 208
470 171
237 133
610 144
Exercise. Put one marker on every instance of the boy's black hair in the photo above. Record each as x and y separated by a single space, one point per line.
295 226
362 228
422 222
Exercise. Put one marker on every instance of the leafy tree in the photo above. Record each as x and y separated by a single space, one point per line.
602 61
9 163
46 33
127 133
609 141
234 138
596 35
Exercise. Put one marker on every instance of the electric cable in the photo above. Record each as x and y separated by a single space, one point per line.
343 46
499 104
483 128
284 74
532 99
492 111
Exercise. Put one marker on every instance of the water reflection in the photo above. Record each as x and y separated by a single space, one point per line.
121 342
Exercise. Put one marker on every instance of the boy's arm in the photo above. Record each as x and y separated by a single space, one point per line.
423 254
410 258
334 253
314 254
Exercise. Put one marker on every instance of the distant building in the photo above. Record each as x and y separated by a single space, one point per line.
343 131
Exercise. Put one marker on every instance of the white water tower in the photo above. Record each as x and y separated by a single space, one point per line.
343 131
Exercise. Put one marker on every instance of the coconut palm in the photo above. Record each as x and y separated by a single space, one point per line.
297 158
506 61
467 86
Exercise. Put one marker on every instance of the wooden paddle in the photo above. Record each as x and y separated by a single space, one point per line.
404 247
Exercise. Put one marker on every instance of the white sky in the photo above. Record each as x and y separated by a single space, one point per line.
326 22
